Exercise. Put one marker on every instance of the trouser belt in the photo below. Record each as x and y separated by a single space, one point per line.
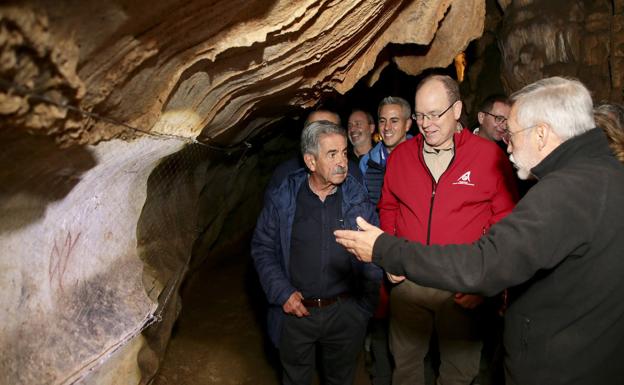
322 302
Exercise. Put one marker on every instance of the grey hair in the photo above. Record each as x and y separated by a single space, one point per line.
406 109
564 104
312 132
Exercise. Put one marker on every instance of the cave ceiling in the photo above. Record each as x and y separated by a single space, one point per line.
218 71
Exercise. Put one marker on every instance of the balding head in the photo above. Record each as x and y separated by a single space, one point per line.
438 109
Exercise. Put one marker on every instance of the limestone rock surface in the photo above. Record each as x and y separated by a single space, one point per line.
580 38
221 70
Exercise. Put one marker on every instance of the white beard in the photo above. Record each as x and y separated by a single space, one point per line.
522 172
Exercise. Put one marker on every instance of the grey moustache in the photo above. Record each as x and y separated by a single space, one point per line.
340 170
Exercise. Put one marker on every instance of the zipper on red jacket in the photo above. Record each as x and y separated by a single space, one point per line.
433 192
434 187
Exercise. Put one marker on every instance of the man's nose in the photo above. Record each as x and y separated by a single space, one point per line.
342 160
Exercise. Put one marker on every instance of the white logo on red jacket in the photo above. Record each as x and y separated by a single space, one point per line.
464 179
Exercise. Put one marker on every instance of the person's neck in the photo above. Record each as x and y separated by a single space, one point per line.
362 149
320 188
389 150
444 146
483 134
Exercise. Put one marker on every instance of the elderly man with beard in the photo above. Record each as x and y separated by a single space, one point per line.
562 244
319 295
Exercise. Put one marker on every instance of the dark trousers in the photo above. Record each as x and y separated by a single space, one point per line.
380 367
338 330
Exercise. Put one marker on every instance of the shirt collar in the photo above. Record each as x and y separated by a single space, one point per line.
332 192
427 148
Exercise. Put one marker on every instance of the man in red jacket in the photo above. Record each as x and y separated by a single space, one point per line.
445 186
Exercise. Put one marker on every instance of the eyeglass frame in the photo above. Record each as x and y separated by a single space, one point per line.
432 117
497 118
506 137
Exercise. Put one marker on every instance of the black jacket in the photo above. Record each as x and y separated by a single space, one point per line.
564 242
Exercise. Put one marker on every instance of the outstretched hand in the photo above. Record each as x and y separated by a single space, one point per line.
360 243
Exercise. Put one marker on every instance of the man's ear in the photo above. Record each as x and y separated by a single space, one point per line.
457 109
542 132
310 161
480 117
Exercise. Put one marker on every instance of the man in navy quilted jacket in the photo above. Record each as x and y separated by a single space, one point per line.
318 293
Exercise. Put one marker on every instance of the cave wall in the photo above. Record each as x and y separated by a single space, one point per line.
72 291
579 38
96 243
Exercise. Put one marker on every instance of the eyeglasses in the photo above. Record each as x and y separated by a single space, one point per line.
419 117
508 134
497 118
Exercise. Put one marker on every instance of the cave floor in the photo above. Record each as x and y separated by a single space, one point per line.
219 337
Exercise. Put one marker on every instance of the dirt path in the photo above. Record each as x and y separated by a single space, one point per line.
219 338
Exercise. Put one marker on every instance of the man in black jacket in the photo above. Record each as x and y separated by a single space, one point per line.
562 243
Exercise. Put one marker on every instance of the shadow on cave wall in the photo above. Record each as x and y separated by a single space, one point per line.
36 172
200 210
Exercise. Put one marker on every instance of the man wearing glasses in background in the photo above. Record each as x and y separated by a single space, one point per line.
446 186
492 117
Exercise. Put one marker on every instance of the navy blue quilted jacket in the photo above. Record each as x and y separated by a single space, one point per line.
270 245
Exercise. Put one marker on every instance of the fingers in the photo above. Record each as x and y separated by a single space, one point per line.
345 235
294 306
395 278
302 311
345 240
362 224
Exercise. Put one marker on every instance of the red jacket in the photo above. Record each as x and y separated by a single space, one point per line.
476 190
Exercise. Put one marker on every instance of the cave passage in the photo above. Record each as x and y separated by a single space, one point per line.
220 336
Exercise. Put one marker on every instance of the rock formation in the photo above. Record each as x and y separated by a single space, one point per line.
581 38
